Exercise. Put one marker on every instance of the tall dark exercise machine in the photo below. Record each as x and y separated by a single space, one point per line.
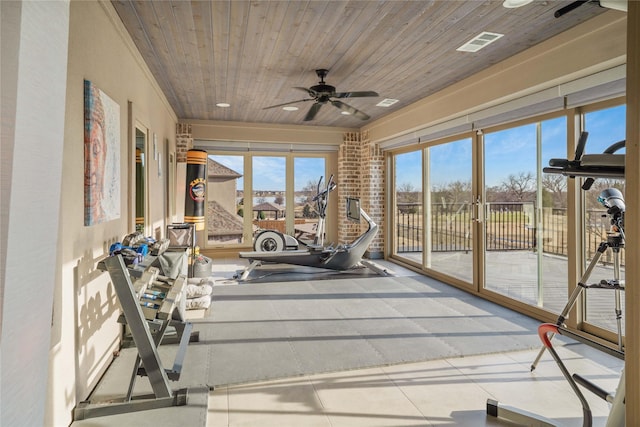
590 166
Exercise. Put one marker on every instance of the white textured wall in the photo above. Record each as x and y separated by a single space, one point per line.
84 330
34 74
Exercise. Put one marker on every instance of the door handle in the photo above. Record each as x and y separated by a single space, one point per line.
478 211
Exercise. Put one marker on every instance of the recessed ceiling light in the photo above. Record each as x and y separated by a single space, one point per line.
386 102
223 105
511 4
290 108
483 39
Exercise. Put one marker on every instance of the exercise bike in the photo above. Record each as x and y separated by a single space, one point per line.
271 246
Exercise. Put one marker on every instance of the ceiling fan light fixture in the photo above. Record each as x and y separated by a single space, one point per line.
290 108
223 105
512 4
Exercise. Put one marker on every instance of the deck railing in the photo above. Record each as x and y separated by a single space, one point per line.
509 226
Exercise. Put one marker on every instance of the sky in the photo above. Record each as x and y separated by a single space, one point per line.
507 152
269 171
510 151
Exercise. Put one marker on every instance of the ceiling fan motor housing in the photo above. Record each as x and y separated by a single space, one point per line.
322 94
324 91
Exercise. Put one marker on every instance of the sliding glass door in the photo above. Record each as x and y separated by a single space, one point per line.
408 233
525 217
482 211
432 212
449 206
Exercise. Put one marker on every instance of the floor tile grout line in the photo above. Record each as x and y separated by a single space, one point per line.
401 389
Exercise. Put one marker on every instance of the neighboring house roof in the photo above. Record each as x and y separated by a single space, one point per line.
222 222
268 207
217 170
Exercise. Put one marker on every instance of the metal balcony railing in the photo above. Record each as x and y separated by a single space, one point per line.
509 226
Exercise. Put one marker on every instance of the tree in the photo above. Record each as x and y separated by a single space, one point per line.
520 187
407 193
310 191
408 197
458 192
556 186
307 212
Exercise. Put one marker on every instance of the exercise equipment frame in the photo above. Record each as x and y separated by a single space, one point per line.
148 361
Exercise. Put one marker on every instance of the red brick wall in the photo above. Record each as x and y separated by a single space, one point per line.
349 178
361 175
184 141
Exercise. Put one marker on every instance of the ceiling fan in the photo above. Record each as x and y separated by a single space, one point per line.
323 93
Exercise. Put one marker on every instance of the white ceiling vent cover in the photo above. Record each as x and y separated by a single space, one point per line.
387 102
483 39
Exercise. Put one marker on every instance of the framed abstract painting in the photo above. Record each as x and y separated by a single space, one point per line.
101 156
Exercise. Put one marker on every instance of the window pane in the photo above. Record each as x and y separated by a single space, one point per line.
224 201
307 172
605 127
511 262
408 213
449 209
269 188
553 233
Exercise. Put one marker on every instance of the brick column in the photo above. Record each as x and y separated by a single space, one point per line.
361 175
184 141
348 184
372 190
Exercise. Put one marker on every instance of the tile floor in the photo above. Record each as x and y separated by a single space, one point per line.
447 392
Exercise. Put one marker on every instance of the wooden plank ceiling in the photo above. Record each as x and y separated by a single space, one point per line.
252 54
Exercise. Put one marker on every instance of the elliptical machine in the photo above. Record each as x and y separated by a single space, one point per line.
271 246
274 241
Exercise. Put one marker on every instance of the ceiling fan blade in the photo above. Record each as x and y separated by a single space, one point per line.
348 108
312 111
287 103
312 93
355 94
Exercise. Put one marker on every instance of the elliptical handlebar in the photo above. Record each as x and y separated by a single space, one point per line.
322 197
331 185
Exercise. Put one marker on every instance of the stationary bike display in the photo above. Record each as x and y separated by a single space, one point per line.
271 246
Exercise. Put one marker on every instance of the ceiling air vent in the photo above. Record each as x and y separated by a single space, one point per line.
386 102
478 42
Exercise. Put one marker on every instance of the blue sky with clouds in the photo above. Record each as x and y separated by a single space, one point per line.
509 151
269 171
